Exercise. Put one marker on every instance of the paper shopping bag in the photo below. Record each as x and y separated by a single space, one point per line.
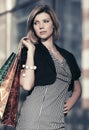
10 113
6 66
9 88
5 86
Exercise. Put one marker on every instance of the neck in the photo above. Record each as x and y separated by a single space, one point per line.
48 44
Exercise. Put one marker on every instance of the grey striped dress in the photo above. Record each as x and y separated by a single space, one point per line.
43 109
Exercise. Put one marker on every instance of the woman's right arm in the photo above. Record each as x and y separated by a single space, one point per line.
27 75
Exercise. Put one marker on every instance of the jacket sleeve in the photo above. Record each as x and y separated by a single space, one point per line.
76 73
75 70
23 56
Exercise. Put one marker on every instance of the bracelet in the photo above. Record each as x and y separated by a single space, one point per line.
24 75
29 67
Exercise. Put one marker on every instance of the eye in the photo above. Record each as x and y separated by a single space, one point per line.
35 22
46 20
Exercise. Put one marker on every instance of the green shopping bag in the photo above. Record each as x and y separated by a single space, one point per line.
5 67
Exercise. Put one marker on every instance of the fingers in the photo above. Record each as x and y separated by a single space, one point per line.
28 44
24 42
21 43
24 38
66 110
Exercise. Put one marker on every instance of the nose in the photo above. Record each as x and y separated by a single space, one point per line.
41 25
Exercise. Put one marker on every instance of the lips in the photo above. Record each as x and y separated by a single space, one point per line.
42 32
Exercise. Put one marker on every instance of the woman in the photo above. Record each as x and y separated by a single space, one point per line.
48 73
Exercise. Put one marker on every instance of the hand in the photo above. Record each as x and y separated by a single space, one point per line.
67 106
29 45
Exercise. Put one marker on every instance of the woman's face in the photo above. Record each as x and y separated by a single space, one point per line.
43 26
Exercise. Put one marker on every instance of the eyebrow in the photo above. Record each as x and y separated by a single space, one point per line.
42 19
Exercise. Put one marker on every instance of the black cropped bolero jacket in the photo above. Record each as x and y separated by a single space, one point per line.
46 73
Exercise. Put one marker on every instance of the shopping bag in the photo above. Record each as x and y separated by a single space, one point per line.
6 86
6 66
10 113
9 92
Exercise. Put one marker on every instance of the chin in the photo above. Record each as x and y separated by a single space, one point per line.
44 39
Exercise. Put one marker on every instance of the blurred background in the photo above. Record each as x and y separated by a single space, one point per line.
74 18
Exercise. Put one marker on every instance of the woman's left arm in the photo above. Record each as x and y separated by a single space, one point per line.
74 98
